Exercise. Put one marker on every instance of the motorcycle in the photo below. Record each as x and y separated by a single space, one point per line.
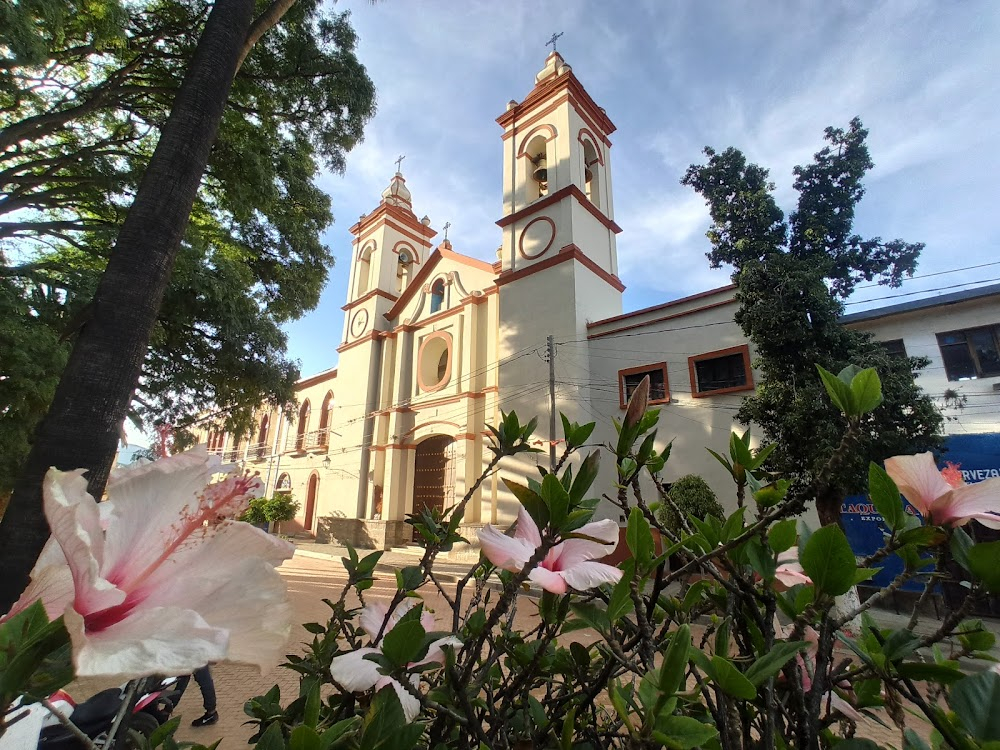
36 726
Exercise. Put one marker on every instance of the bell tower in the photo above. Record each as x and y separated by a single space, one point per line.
557 175
558 260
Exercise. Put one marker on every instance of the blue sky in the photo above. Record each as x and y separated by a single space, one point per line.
675 76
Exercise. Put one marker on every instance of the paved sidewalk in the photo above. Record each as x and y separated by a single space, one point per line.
390 561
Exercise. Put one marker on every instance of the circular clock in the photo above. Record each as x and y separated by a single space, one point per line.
359 323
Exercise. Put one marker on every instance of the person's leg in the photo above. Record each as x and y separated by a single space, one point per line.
203 677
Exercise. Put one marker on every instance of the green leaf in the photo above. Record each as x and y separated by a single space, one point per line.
739 450
338 730
531 501
782 535
857 743
838 390
272 738
556 499
409 578
638 537
960 544
167 729
761 560
923 672
721 460
596 617
731 680
585 478
621 602
675 661
984 563
771 662
829 561
402 644
304 738
866 391
310 712
885 497
385 726
913 741
761 456
683 732
975 700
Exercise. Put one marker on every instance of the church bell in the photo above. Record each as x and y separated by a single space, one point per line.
540 174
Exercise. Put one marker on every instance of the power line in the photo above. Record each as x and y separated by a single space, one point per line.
936 273
921 291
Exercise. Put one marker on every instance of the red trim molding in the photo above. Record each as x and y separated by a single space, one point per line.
581 138
370 336
367 296
570 252
623 402
662 319
433 387
741 349
552 237
315 379
664 306
558 195
566 82
531 134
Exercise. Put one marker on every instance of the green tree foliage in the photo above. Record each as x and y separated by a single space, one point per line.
85 88
792 277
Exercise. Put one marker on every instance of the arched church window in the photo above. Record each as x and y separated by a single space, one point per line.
303 425
363 282
591 173
538 167
437 295
324 418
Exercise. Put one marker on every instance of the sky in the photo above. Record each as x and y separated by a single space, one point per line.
676 76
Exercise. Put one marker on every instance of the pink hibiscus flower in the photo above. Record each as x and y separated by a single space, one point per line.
942 497
159 591
789 571
567 565
357 674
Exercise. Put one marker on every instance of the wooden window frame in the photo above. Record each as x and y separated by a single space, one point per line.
743 349
993 329
623 402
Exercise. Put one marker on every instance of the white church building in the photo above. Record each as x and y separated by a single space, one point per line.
436 343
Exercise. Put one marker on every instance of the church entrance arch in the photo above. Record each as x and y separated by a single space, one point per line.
311 492
434 474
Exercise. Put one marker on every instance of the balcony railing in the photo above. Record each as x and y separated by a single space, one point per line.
258 452
316 441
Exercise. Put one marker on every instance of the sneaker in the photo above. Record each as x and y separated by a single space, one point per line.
210 717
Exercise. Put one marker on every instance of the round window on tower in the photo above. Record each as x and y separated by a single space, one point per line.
434 362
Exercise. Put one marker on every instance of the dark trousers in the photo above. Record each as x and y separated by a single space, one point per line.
203 677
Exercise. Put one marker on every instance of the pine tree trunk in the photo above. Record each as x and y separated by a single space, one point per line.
82 427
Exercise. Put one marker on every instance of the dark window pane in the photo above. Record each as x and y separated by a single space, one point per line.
894 348
721 372
657 384
955 337
984 345
958 362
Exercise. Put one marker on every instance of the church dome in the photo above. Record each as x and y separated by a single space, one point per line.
397 194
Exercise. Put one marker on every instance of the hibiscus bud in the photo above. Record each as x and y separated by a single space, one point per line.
637 403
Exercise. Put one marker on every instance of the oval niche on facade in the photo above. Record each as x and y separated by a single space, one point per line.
536 237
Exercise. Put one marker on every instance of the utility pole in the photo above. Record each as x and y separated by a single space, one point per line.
551 347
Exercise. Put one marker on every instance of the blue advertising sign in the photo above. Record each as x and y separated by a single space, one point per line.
977 457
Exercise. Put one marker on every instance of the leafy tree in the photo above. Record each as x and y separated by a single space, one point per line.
256 219
792 277
85 88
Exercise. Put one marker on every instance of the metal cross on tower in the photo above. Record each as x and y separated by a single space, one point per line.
447 226
399 161
552 41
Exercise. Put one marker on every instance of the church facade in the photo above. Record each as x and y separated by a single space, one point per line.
437 343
